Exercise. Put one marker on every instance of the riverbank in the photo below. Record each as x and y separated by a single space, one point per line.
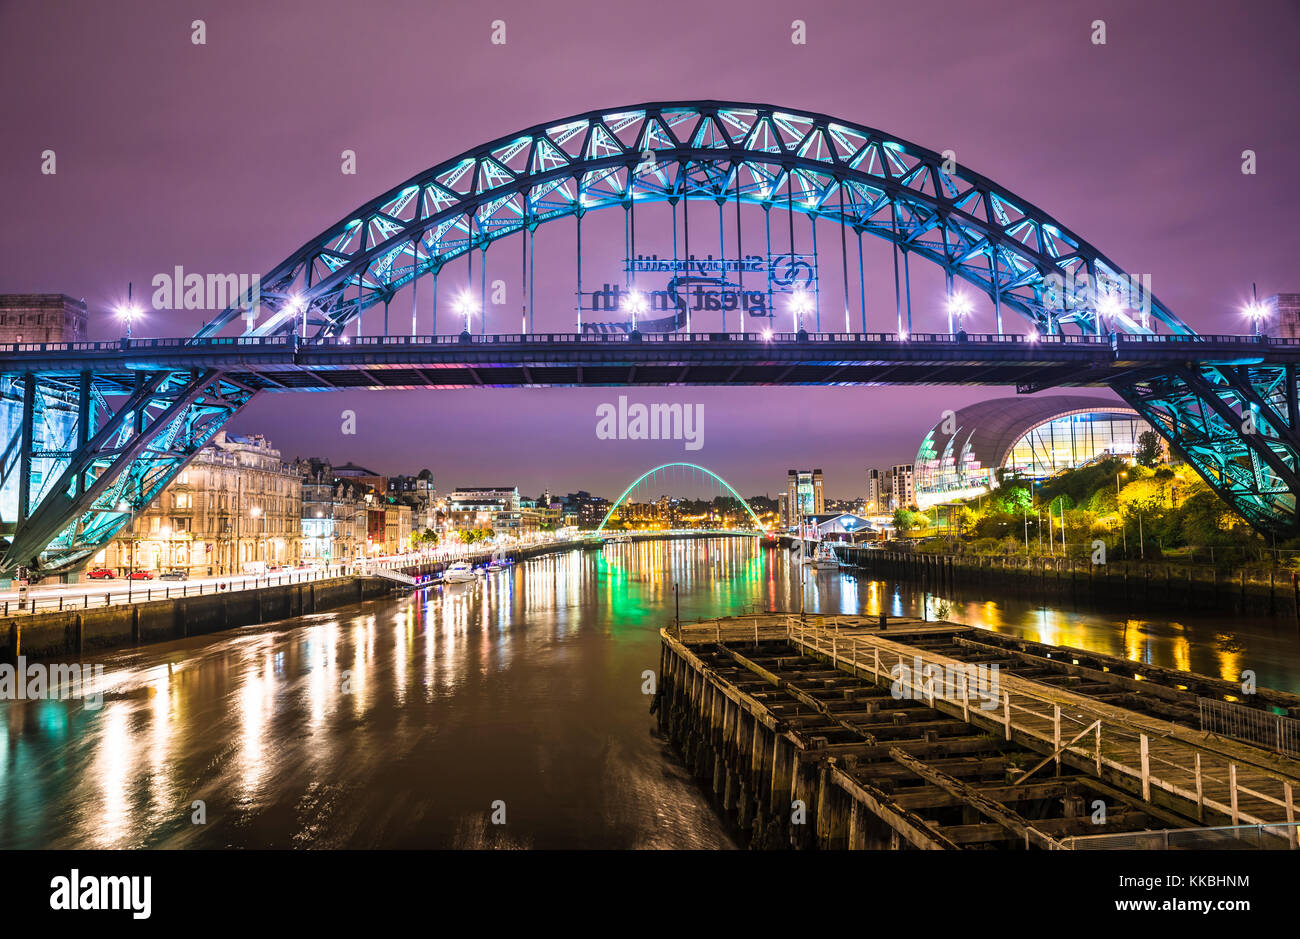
1133 585
75 632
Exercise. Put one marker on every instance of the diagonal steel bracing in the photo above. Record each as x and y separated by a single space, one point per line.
1236 426
126 454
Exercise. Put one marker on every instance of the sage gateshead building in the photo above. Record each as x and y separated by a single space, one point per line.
1029 436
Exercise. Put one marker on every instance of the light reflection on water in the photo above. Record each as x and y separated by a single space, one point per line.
525 687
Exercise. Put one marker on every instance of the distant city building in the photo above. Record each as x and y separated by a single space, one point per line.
334 514
494 507
584 510
902 489
362 476
1031 436
841 526
235 503
804 496
41 317
877 491
1284 310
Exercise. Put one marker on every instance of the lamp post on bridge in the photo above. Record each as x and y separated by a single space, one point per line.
1257 311
128 311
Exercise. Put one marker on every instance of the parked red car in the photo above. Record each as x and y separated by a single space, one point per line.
141 575
100 573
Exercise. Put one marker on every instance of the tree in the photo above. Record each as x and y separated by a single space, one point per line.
1149 449
906 520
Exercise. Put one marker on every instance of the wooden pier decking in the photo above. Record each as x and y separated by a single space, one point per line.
885 739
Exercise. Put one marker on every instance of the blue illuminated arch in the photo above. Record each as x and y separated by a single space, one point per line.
702 469
707 150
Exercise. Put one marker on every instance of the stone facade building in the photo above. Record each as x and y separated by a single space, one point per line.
236 504
42 317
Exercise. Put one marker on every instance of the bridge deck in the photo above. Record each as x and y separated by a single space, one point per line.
281 363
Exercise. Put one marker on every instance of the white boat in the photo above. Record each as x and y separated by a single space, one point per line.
498 562
458 573
824 559
623 539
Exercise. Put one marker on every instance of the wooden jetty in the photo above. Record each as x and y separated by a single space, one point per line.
863 732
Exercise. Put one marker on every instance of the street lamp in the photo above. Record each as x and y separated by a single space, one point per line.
1109 309
1258 312
465 306
800 303
635 303
959 305
1118 511
295 305
128 311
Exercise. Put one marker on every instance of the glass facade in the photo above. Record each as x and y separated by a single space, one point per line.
959 458
1074 439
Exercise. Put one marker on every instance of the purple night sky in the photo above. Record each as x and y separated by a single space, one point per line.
225 157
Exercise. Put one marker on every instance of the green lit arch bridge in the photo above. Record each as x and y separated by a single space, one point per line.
91 432
653 473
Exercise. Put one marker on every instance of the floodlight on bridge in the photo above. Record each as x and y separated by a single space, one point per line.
465 306
635 304
800 304
1257 313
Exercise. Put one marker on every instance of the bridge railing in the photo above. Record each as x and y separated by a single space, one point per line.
605 339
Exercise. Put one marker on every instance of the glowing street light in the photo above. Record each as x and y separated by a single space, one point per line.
465 306
128 311
767 335
1258 312
800 303
636 304
959 305
1109 307
295 304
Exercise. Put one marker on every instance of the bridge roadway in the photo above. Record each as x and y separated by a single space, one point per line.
283 363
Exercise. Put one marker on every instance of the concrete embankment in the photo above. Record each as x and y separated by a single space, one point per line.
75 632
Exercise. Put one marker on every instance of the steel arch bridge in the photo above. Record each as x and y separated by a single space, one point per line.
98 434
694 466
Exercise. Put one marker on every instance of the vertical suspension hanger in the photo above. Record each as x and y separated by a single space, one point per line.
862 282
767 235
743 301
524 303
722 252
898 301
844 259
469 268
789 211
686 235
578 214
817 277
415 283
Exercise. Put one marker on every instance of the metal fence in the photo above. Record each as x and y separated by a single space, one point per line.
1262 728
1279 837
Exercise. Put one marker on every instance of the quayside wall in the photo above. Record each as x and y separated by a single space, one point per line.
76 632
